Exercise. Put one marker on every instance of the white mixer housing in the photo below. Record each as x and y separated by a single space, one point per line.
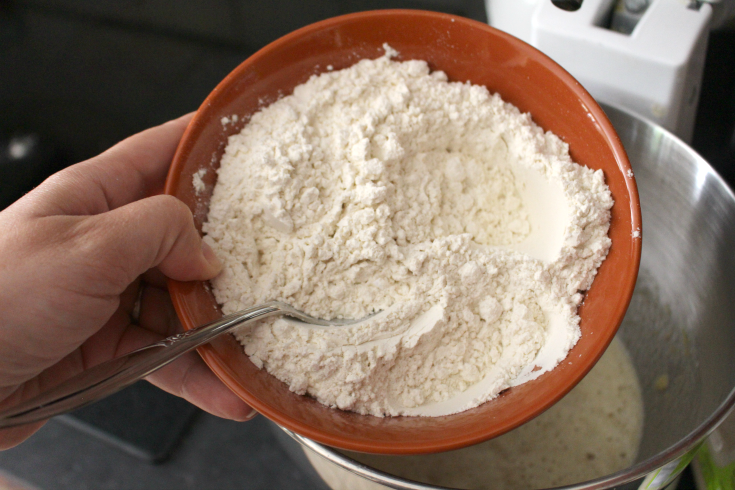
656 70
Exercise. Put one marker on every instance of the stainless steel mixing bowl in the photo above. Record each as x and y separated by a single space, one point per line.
681 321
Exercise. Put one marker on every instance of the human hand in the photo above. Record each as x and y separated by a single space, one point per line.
74 255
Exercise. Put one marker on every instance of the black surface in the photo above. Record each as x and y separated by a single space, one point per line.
86 74
141 420
714 133
216 454
687 480
25 160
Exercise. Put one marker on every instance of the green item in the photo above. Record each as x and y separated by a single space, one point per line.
715 477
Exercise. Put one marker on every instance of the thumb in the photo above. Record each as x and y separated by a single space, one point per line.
158 232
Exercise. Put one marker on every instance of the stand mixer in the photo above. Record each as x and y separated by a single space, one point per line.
644 55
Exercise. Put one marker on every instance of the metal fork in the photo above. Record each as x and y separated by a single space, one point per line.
112 376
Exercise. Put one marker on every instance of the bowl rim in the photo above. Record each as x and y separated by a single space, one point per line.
220 367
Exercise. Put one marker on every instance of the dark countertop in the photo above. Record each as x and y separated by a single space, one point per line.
213 454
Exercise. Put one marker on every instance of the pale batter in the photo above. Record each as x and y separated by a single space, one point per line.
594 431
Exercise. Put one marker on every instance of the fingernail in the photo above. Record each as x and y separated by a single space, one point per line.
211 257
251 415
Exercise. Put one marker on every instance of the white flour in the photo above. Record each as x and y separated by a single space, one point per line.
198 182
383 187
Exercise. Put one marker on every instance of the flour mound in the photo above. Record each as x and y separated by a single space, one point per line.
385 188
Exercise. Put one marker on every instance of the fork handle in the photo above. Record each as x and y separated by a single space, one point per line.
112 376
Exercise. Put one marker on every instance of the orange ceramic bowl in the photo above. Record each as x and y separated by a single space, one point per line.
467 51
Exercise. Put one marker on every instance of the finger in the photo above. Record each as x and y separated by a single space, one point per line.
189 378
131 170
15 435
12 437
157 319
119 336
153 232
148 153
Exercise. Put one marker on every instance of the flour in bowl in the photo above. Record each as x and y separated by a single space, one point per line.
385 188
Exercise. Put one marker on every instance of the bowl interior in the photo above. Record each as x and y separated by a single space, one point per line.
467 51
